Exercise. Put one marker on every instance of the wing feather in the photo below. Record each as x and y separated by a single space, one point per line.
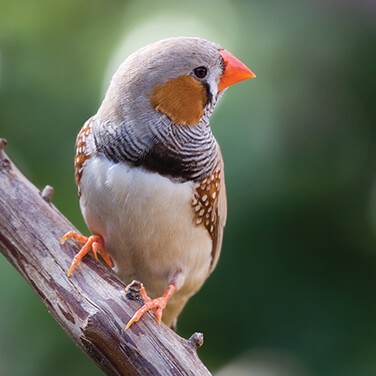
221 216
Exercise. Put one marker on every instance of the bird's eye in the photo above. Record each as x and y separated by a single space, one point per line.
200 72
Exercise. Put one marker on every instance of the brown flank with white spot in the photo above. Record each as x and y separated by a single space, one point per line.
81 152
205 201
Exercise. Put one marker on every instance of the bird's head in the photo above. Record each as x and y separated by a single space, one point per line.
179 78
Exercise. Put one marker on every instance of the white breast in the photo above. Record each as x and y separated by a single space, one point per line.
148 227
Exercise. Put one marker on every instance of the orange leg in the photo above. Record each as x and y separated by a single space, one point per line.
93 243
155 305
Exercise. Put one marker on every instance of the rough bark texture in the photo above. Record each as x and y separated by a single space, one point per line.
91 306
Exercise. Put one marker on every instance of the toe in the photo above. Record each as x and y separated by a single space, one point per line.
74 235
93 243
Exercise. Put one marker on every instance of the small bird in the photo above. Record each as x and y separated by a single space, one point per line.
150 172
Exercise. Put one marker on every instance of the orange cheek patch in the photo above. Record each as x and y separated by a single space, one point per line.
182 99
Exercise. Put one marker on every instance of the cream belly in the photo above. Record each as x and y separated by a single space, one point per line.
147 223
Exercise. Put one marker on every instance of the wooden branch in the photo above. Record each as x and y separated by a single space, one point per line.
91 306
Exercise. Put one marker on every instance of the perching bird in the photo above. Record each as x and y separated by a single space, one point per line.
150 172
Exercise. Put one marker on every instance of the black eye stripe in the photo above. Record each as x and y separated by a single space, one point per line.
200 72
209 95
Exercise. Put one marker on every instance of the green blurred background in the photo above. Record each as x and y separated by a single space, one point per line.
294 291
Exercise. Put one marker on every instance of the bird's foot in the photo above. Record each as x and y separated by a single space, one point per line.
93 243
156 305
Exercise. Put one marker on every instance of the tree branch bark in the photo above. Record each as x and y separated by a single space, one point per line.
91 306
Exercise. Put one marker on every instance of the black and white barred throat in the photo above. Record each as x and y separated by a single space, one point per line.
182 153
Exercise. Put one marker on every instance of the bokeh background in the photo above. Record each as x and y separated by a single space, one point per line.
294 291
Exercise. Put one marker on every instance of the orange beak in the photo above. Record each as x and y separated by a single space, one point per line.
235 71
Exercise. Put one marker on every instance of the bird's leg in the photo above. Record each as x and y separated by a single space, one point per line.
93 243
156 305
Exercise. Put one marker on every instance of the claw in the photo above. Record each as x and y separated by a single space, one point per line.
93 243
74 235
156 305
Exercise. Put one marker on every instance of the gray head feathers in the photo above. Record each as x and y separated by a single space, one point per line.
131 85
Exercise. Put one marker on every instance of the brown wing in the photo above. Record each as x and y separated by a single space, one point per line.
221 214
82 153
210 207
